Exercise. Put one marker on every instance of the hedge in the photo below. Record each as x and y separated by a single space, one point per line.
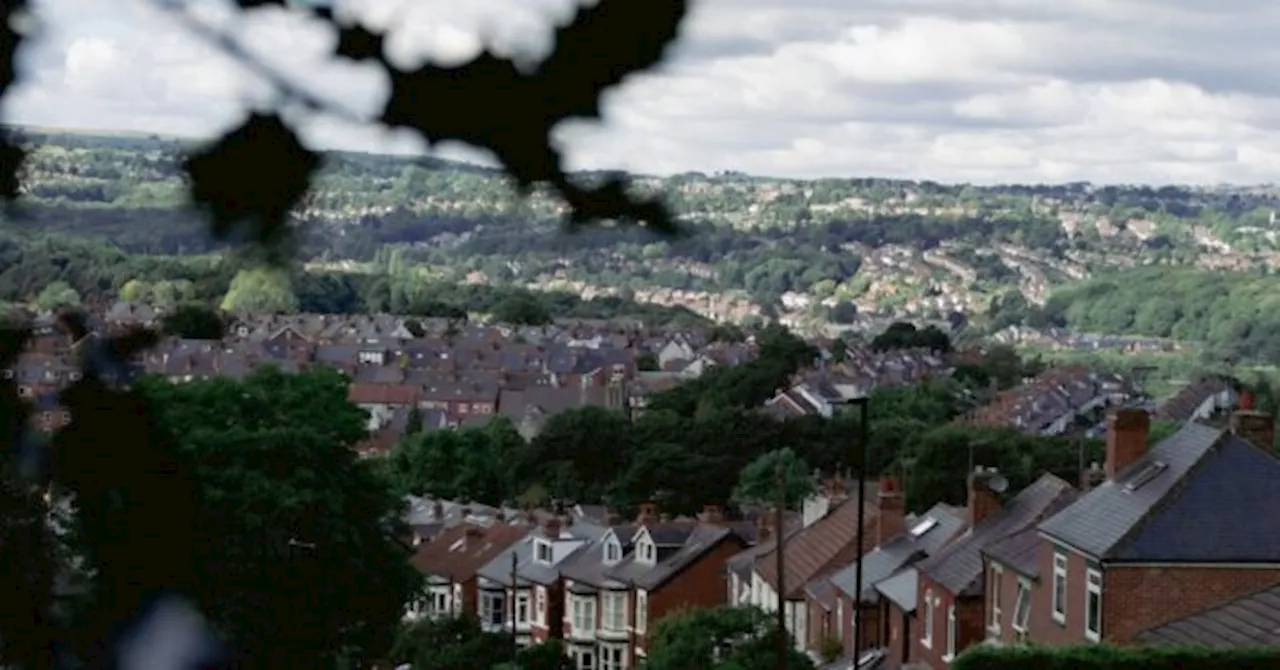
1101 657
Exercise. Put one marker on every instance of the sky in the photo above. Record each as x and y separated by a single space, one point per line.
975 91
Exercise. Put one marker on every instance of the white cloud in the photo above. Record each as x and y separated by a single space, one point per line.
963 90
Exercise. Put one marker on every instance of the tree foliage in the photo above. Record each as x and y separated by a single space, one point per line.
719 638
758 482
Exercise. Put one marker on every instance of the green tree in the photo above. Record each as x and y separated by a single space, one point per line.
288 516
193 321
30 556
454 643
757 483
261 291
522 309
719 638
135 290
57 294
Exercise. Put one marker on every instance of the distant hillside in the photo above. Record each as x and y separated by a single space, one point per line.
810 251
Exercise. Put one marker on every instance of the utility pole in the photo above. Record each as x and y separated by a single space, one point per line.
778 512
864 436
515 591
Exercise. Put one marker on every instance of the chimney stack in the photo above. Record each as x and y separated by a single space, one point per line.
983 501
764 526
437 510
1257 427
612 517
1127 431
551 528
891 502
712 514
648 513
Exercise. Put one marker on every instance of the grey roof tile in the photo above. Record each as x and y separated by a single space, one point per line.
958 566
901 550
1188 512
1251 621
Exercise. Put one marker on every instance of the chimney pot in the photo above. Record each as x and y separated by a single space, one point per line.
648 513
1127 431
712 514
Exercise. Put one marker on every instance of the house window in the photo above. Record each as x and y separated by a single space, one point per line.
543 550
997 576
493 608
1059 587
540 606
646 552
586 659
642 611
613 657
927 622
615 611
440 602
612 551
1022 611
1093 606
951 633
522 608
584 615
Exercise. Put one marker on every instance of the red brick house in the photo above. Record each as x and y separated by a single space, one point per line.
951 591
450 562
1173 530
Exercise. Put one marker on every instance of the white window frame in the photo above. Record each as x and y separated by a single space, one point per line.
1059 594
614 616
646 551
522 607
440 604
612 552
927 621
584 615
491 604
540 605
585 659
1022 608
1093 604
542 551
642 611
997 612
618 650
951 634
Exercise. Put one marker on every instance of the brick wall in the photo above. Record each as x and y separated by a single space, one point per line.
1135 598
1138 598
700 585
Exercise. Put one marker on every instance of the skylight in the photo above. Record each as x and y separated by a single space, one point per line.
1145 475
923 527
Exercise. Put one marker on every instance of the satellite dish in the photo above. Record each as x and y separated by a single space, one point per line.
998 483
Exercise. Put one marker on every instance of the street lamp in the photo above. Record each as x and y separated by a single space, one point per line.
863 400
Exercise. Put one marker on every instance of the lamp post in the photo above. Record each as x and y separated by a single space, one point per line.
863 401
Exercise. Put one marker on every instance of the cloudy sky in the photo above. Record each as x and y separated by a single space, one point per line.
981 91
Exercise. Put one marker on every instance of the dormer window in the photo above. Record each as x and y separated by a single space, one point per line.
612 551
542 551
646 552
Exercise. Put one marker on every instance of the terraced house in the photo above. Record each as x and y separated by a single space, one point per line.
1173 531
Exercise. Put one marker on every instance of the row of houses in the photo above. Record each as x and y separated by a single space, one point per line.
1157 545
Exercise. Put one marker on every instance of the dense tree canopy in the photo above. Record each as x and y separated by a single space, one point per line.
719 638
288 519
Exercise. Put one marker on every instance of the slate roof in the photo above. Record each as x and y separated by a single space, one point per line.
1251 621
1192 511
958 566
901 589
459 552
815 548
901 550
703 539
1018 552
